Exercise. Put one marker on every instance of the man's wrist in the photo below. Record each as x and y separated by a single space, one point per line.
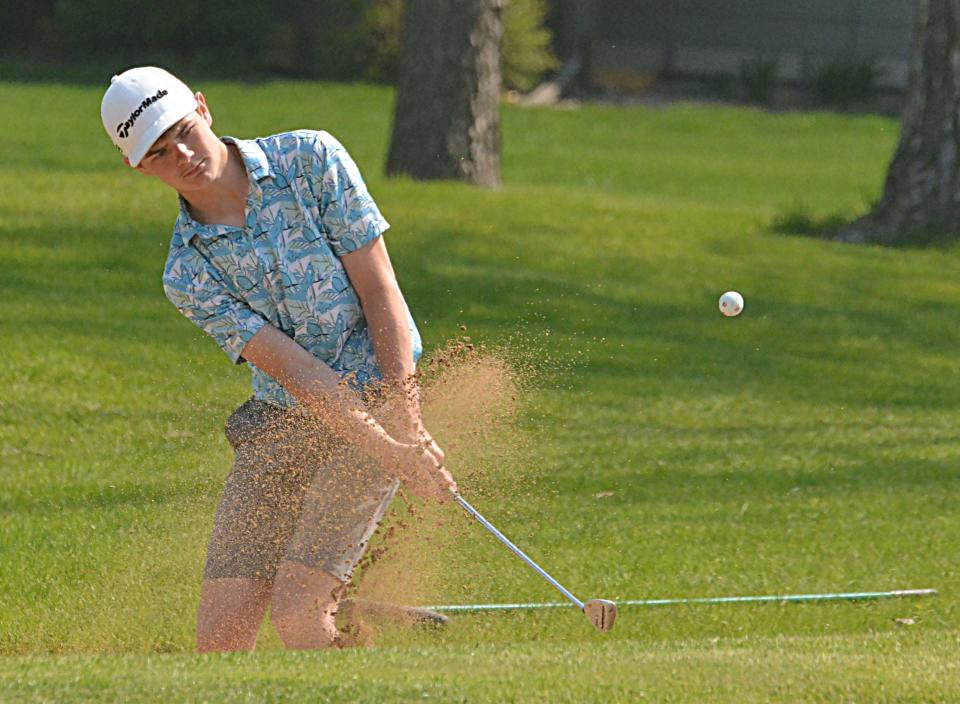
400 409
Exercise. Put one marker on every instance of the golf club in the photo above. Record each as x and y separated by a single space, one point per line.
600 612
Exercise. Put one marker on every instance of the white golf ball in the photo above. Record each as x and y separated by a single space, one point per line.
731 303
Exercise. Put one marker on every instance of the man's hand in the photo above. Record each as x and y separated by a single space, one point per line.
429 449
426 441
416 461
421 471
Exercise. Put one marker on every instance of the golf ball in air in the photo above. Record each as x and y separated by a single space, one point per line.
731 303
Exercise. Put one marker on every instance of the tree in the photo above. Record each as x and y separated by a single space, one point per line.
446 123
921 196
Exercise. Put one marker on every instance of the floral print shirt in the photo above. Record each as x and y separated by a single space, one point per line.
307 206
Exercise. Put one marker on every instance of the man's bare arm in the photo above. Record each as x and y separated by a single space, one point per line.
320 391
373 278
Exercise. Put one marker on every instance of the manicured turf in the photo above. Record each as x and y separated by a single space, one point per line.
807 446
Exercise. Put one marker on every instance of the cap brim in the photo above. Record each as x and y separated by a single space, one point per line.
171 116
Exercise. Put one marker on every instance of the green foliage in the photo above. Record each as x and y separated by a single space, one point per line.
321 38
329 39
22 23
845 80
758 79
335 47
315 38
179 29
525 52
383 39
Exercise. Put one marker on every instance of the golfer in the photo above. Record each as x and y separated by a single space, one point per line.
277 254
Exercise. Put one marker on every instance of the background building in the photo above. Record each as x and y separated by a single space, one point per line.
624 41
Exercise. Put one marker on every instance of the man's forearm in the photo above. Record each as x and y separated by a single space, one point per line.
318 389
390 334
375 282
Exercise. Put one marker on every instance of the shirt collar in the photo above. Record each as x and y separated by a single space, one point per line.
254 158
258 168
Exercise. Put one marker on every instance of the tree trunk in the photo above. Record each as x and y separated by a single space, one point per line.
446 124
921 197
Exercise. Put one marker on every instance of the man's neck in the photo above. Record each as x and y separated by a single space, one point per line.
224 200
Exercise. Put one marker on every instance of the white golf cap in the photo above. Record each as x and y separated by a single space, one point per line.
140 105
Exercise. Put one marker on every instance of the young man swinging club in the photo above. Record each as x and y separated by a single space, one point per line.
277 254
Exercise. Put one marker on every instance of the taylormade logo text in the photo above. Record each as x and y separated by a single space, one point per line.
123 129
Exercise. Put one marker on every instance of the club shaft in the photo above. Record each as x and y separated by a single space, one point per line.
777 598
515 550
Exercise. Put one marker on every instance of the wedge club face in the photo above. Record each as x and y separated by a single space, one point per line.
602 613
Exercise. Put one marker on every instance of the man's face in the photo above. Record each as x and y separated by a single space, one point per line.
188 156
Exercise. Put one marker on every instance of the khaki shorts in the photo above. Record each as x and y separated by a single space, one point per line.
296 492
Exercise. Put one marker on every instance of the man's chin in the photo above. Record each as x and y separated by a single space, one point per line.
195 183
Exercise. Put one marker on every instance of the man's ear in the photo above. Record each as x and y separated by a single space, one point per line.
203 108
138 167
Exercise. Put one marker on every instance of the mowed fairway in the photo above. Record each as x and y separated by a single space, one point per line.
809 445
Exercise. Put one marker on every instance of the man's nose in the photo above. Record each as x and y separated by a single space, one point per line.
183 151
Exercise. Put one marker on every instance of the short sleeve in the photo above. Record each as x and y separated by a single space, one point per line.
348 213
202 297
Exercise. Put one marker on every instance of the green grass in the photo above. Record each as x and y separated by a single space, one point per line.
821 669
808 445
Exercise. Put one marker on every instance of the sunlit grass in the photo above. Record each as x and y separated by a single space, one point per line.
808 445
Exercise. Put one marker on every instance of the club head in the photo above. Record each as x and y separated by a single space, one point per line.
601 612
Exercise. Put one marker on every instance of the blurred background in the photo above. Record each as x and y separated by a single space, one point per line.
774 52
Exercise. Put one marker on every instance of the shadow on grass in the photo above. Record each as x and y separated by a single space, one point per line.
46 499
938 239
683 481
798 220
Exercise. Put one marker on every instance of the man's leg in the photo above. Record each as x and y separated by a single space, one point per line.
231 611
340 511
255 518
303 606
